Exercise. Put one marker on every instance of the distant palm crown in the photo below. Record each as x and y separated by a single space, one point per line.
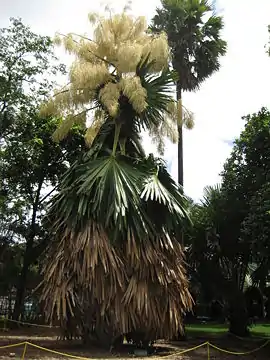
193 31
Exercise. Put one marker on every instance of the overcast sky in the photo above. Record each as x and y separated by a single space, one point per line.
240 87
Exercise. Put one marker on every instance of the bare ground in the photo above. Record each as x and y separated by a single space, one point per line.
48 339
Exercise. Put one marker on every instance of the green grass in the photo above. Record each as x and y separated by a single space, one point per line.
262 330
207 329
259 330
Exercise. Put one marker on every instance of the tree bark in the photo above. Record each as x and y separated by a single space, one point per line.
180 140
238 315
181 335
28 258
21 287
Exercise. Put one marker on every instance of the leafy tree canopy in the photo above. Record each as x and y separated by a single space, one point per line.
26 63
246 184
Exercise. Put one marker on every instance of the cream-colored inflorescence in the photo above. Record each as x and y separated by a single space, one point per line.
105 67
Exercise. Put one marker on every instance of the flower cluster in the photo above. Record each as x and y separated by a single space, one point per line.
105 68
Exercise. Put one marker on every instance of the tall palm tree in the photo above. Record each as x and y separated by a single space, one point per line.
193 32
115 264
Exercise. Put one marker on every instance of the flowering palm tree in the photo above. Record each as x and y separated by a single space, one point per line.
115 265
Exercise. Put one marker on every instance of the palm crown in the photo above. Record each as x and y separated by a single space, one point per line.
194 39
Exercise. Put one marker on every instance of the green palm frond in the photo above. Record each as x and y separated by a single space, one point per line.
159 95
111 208
121 194
163 198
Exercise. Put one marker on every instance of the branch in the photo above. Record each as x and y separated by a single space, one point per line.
5 95
47 195
67 90
81 36
86 110
3 107
97 56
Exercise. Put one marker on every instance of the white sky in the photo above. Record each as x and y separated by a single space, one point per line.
239 88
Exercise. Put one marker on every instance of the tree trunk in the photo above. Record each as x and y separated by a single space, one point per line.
101 337
180 156
28 257
238 315
21 287
180 140
181 335
31 254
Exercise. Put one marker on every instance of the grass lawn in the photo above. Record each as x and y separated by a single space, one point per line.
259 330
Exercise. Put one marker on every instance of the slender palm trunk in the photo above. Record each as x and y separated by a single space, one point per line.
180 140
180 336
180 152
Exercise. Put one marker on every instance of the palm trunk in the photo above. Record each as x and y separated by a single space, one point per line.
181 336
180 140
238 315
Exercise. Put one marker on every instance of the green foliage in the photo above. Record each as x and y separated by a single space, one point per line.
30 165
30 162
230 237
246 182
27 65
205 255
10 264
121 194
218 261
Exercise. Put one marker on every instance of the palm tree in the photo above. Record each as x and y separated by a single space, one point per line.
215 254
115 265
193 32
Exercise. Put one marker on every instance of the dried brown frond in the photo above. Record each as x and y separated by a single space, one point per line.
147 289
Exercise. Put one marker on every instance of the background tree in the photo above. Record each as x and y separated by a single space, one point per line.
24 59
30 167
215 253
229 239
30 163
245 183
193 32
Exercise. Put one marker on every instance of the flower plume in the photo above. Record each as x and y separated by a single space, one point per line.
105 69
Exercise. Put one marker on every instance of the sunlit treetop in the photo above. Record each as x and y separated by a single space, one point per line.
104 68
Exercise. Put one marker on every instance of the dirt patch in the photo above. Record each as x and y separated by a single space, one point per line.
48 339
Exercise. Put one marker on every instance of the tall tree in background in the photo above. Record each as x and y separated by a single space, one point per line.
30 161
115 265
230 236
31 165
25 58
246 185
193 32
